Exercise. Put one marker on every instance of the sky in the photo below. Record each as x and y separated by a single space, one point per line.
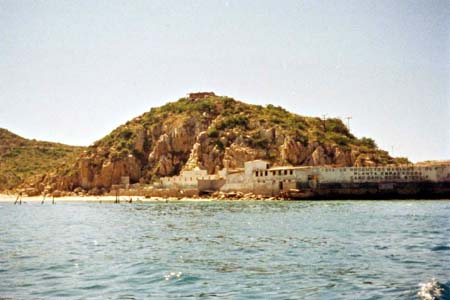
72 71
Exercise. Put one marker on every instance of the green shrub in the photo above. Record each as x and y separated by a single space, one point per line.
367 142
336 125
276 121
402 161
300 137
233 121
262 143
219 145
213 132
188 105
318 135
337 138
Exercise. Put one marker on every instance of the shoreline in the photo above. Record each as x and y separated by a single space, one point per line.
8 198
5 198
130 198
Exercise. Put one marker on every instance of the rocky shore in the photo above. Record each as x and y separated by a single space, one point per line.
242 196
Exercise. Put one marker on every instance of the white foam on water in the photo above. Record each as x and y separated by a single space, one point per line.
431 290
173 275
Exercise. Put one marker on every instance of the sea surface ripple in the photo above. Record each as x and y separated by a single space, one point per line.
226 250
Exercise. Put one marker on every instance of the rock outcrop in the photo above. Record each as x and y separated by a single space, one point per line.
209 132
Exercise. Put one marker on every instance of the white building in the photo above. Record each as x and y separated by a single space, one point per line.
186 179
257 177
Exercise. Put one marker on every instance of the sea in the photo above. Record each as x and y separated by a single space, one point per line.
226 250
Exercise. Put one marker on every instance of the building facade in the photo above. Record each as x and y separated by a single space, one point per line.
259 178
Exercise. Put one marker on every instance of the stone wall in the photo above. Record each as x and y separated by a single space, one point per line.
208 185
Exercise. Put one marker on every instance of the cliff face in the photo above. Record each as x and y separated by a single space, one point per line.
210 132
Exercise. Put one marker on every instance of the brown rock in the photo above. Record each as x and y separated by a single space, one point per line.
85 171
56 194
237 155
342 158
140 138
318 157
30 192
292 152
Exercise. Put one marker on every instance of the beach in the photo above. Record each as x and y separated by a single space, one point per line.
97 199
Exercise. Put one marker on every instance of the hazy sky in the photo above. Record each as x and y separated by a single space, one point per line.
71 71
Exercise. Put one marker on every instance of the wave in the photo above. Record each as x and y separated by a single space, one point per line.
433 290
440 248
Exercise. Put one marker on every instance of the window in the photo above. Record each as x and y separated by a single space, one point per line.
266 173
285 172
291 172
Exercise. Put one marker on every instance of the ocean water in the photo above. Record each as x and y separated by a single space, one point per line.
226 250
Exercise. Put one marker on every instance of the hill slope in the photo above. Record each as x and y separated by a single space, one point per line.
208 131
21 158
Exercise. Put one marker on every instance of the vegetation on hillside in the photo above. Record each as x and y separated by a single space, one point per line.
223 114
21 158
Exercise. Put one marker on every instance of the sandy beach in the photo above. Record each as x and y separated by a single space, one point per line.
99 199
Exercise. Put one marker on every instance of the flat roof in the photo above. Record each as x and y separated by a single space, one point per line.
278 168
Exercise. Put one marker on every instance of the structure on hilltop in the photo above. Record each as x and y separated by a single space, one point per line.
200 95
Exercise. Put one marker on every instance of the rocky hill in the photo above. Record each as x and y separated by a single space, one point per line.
208 131
21 158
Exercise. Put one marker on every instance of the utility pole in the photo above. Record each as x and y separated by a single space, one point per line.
348 122
324 117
